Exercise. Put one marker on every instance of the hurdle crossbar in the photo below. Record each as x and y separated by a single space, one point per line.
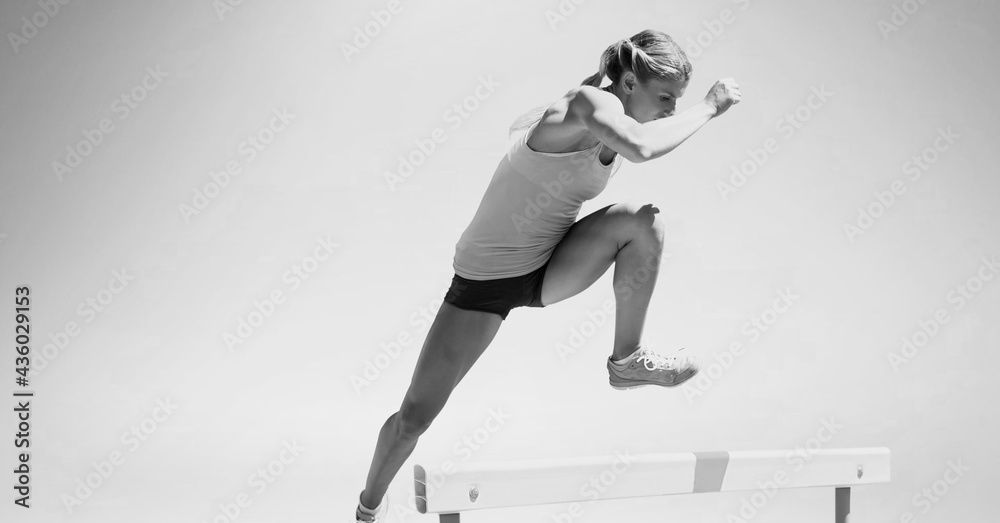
452 488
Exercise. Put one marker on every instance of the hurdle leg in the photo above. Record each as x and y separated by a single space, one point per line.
449 518
842 505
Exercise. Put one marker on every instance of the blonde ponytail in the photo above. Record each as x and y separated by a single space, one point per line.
648 54
527 119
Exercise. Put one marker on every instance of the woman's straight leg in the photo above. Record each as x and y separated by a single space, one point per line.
456 339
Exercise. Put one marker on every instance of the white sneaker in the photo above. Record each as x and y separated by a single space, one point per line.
649 368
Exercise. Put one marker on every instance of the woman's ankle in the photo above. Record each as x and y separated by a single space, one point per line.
364 507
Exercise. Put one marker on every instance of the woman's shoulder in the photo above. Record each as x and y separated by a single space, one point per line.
588 97
561 128
582 102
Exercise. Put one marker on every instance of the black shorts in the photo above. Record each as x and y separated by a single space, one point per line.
498 296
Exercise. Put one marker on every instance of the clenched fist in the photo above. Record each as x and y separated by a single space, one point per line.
723 95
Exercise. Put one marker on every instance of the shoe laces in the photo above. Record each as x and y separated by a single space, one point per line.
654 361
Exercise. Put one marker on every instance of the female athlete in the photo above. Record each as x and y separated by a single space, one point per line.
524 247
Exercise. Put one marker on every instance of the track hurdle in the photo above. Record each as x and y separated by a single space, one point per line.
458 488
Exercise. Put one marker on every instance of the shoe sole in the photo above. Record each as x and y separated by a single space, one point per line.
629 385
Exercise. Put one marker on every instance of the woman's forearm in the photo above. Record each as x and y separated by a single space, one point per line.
658 137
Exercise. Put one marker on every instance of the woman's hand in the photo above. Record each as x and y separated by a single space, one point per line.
723 95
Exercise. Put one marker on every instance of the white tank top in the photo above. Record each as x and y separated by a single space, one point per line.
530 204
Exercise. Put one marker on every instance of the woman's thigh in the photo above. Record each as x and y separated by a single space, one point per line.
590 247
456 339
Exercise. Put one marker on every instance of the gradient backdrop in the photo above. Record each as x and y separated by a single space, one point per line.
229 290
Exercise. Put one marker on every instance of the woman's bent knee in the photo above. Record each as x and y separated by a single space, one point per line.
644 220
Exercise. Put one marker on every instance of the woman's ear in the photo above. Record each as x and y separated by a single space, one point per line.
629 82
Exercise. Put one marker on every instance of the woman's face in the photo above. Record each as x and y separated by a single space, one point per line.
653 100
